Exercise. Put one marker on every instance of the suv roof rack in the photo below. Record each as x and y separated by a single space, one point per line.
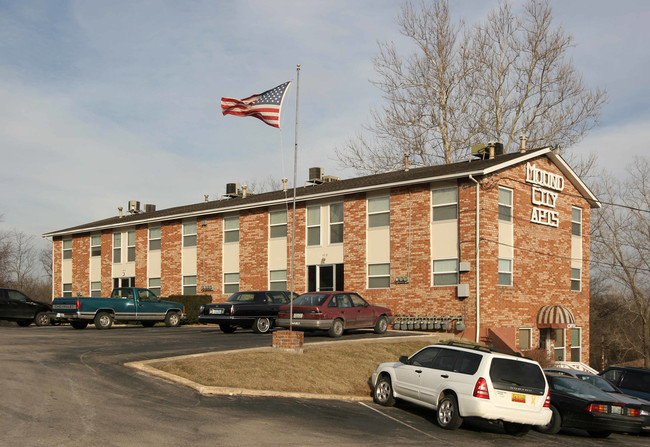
469 345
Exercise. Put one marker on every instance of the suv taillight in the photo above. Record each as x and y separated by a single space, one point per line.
78 304
547 402
481 389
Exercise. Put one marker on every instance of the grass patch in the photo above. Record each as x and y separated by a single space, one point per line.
338 368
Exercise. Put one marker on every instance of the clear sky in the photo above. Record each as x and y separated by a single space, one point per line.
102 102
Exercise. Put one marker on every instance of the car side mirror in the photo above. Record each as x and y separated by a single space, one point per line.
404 359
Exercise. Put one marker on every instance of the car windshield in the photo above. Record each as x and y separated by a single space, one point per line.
578 388
242 297
598 382
310 299
517 375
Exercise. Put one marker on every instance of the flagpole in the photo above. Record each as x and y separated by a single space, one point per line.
293 224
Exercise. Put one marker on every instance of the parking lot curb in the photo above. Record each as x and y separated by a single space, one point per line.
146 367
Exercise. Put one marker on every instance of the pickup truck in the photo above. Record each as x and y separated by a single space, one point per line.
125 304
257 310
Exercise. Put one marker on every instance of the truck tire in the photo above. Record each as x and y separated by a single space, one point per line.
103 320
172 319
79 324
42 319
261 325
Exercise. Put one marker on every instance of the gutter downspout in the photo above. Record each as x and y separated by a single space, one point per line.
478 290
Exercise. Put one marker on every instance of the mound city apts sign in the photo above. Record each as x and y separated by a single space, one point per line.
544 196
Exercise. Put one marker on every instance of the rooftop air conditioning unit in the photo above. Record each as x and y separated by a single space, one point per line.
149 208
134 206
232 189
316 175
330 178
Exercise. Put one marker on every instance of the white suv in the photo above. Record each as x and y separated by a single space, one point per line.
463 380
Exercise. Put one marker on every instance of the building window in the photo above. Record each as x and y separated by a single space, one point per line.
379 212
67 289
336 223
378 276
313 225
576 342
154 285
96 289
154 238
278 224
130 249
231 229
189 234
525 339
445 204
278 280
445 272
559 352
67 248
505 272
575 280
576 221
505 204
117 248
230 282
189 285
96 245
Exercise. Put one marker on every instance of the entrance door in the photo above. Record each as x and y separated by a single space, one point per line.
321 278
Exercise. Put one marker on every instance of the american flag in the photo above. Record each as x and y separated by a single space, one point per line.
265 106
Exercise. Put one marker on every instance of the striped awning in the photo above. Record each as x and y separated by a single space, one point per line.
555 317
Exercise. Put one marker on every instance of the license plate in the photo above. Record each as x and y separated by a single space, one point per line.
616 409
521 398
216 311
297 315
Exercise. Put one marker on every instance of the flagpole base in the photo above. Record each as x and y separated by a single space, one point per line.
289 341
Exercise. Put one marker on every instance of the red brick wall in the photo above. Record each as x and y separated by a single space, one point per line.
209 253
171 238
254 250
57 258
141 253
81 265
107 262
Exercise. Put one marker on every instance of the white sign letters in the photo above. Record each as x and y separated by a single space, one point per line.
541 196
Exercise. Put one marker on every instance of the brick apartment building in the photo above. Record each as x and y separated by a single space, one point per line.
518 270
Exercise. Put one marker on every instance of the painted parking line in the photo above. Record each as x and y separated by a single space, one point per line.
405 424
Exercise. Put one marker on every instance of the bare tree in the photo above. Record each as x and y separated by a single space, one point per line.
494 81
621 244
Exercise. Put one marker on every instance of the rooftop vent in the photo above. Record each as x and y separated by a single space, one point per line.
487 151
149 208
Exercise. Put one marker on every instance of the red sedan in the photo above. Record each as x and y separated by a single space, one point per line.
334 312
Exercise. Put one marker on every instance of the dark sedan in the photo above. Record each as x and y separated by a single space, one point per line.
613 391
577 404
334 312
257 310
16 306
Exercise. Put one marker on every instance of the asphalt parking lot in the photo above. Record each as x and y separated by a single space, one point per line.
62 386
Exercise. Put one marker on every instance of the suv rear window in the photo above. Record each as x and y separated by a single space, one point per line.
636 380
515 375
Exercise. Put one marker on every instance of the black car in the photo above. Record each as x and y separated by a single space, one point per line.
257 310
578 404
16 306
634 381
614 392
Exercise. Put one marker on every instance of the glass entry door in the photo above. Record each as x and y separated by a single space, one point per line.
325 278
